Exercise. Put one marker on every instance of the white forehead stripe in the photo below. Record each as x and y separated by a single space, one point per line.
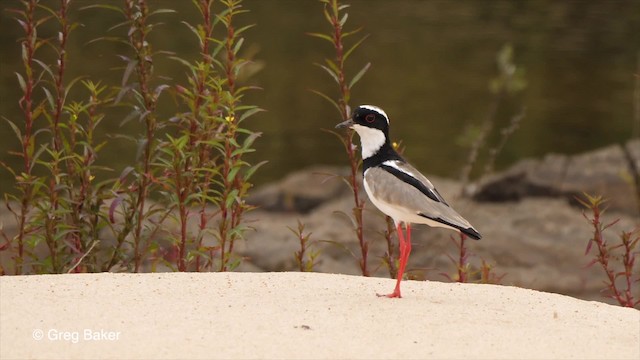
376 109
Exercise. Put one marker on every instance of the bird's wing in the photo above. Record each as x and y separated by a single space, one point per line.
415 195
408 173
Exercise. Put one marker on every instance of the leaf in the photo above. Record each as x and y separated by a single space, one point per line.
330 72
159 89
132 115
162 11
253 169
353 47
127 72
45 67
15 129
328 99
238 45
231 197
112 208
322 36
47 93
344 19
352 32
232 174
140 148
23 84
103 6
359 75
125 173
249 113
243 29
180 60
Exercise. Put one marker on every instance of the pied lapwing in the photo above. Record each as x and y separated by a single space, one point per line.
397 188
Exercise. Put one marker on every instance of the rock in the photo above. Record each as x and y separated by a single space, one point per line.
607 172
301 191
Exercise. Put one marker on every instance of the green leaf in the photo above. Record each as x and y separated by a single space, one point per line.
238 45
253 169
330 100
231 197
15 129
127 72
354 46
352 32
23 84
330 72
344 19
162 11
249 113
359 75
232 174
322 36
243 29
45 67
52 103
193 30
332 66
103 6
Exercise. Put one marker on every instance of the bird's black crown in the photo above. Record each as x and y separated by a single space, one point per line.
371 117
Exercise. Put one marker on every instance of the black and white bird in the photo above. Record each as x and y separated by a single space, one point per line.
397 188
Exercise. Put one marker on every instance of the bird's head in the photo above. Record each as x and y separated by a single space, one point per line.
372 124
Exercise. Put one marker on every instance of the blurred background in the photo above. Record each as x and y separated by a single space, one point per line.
432 62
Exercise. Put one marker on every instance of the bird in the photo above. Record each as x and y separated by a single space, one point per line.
397 188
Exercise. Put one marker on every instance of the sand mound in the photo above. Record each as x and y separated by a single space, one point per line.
295 315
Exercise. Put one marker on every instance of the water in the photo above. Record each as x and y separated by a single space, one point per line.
432 61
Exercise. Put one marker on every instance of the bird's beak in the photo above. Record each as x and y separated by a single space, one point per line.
349 123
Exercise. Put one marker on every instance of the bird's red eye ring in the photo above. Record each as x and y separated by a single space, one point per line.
370 118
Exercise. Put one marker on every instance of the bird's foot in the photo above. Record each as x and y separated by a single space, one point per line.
394 294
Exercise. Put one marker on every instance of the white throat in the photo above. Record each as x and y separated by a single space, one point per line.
371 140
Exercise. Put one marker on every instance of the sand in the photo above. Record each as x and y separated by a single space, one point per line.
300 316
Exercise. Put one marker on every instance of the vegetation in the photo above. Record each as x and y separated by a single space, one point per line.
617 260
336 15
188 165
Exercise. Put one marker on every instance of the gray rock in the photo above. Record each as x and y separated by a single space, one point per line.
301 191
607 172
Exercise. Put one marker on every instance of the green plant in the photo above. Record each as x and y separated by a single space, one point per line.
235 172
27 185
305 257
188 164
620 284
509 82
465 272
58 207
334 13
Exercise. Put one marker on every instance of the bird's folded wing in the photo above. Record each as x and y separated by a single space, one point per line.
384 186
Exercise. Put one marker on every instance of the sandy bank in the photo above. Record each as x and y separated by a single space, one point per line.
294 315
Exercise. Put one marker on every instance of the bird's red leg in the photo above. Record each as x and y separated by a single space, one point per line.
405 249
407 244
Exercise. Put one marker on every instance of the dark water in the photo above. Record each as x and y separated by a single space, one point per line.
432 61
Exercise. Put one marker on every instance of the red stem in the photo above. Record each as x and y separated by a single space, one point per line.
26 104
462 260
603 256
353 160
138 40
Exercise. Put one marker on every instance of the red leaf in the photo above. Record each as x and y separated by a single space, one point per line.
112 208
